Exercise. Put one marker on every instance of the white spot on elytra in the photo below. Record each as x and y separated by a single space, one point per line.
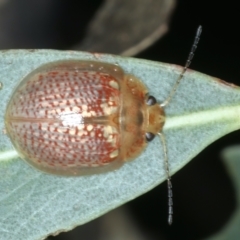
80 133
84 107
60 130
107 131
52 128
72 131
89 127
80 127
93 113
114 84
113 154
71 119
75 109
86 114
59 111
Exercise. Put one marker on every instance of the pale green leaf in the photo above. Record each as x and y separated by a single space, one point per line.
34 205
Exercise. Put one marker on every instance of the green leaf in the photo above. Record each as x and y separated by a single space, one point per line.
34 204
231 231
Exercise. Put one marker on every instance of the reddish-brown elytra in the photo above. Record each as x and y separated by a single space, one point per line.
81 117
85 117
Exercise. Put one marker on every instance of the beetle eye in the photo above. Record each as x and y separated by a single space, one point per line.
151 100
149 136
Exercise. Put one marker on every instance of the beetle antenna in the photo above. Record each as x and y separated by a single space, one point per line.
169 183
187 64
161 135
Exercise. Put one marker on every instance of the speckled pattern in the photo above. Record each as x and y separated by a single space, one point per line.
61 118
80 117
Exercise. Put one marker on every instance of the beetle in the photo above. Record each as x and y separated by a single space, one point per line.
76 117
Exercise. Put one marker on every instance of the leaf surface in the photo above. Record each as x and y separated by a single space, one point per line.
34 204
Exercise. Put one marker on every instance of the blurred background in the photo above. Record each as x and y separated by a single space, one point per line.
159 30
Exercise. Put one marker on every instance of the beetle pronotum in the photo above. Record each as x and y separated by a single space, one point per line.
84 117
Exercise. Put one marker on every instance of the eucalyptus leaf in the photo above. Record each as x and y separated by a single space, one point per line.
34 205
112 26
116 28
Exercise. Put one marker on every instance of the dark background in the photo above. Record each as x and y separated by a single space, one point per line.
204 198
